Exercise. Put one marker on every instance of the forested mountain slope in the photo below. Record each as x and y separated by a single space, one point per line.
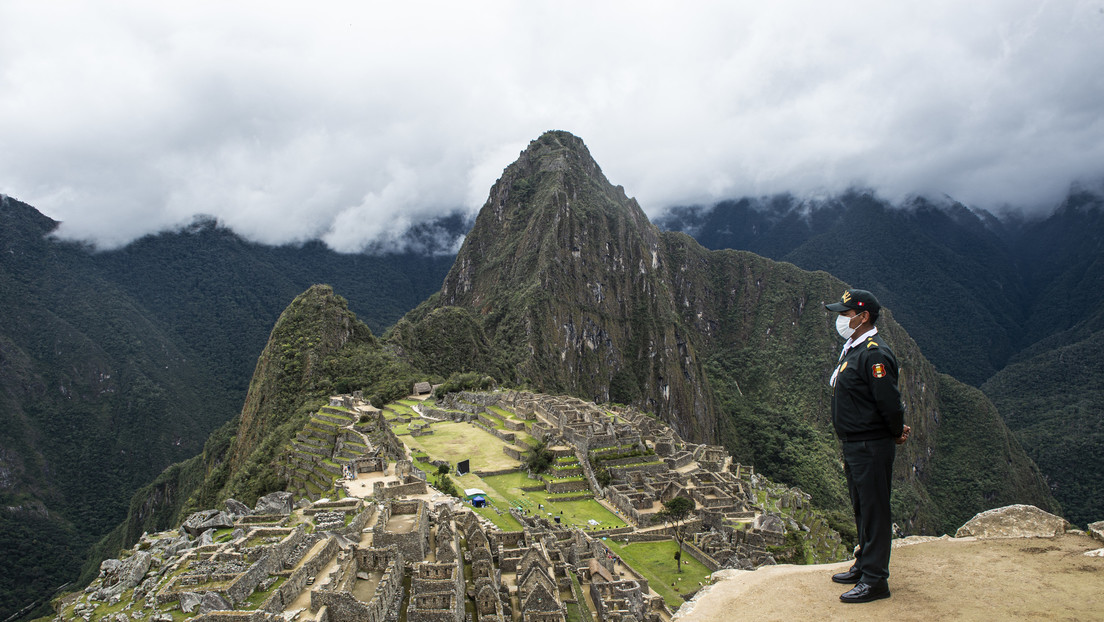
1009 304
114 365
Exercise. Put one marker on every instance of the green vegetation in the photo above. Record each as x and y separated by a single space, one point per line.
469 381
674 512
653 561
539 457
1052 402
965 479
453 441
1039 363
509 489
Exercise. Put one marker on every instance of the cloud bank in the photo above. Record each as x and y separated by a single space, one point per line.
350 122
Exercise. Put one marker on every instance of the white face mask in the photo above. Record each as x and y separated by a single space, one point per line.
843 326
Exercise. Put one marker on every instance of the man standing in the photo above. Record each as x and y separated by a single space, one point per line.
869 421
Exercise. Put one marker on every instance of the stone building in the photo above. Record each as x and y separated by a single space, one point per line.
404 524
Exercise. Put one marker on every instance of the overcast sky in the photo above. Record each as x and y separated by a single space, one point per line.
347 121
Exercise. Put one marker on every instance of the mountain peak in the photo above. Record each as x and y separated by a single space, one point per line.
557 150
562 266
544 206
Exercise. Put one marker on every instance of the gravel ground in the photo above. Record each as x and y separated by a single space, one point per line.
940 579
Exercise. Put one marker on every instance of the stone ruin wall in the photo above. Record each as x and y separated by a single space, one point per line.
240 588
412 545
342 606
381 491
437 592
237 616
297 581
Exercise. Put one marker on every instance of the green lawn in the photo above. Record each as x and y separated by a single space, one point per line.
509 488
454 441
402 409
656 562
504 521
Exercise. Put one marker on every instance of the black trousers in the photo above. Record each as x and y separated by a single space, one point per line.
869 469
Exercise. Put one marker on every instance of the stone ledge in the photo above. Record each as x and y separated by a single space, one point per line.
1014 521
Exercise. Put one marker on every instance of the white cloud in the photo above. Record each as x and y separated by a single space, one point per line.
350 121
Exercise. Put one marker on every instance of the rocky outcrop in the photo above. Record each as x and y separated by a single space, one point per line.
1014 521
213 601
118 576
205 520
237 508
275 503
1096 530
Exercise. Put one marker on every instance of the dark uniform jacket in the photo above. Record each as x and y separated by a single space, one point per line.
866 404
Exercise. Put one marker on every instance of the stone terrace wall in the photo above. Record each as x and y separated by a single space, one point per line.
508 437
402 490
237 616
344 607
283 551
601 551
554 487
297 581
483 399
241 587
498 472
353 529
698 554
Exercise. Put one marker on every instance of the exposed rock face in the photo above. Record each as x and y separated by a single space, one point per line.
1014 521
207 519
1096 530
212 601
119 576
275 503
566 277
770 522
189 602
237 508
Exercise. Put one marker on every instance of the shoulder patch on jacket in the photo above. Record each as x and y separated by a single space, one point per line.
878 370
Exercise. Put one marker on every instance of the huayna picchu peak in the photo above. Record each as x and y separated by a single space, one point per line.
566 276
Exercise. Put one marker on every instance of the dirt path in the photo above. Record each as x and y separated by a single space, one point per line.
952 579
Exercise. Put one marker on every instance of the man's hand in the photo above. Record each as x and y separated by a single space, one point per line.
900 440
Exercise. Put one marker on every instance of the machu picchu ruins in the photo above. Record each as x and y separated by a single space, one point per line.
365 532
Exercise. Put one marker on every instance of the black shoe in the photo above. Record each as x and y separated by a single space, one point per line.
864 593
852 575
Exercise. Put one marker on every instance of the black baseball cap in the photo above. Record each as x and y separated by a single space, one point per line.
857 299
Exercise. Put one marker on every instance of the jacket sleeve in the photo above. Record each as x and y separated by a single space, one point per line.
881 371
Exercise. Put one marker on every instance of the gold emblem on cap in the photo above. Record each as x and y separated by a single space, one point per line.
846 297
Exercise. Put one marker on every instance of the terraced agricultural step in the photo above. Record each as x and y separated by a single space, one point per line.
329 427
314 450
337 420
330 467
306 439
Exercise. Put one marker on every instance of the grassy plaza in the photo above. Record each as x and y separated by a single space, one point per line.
655 561
453 441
